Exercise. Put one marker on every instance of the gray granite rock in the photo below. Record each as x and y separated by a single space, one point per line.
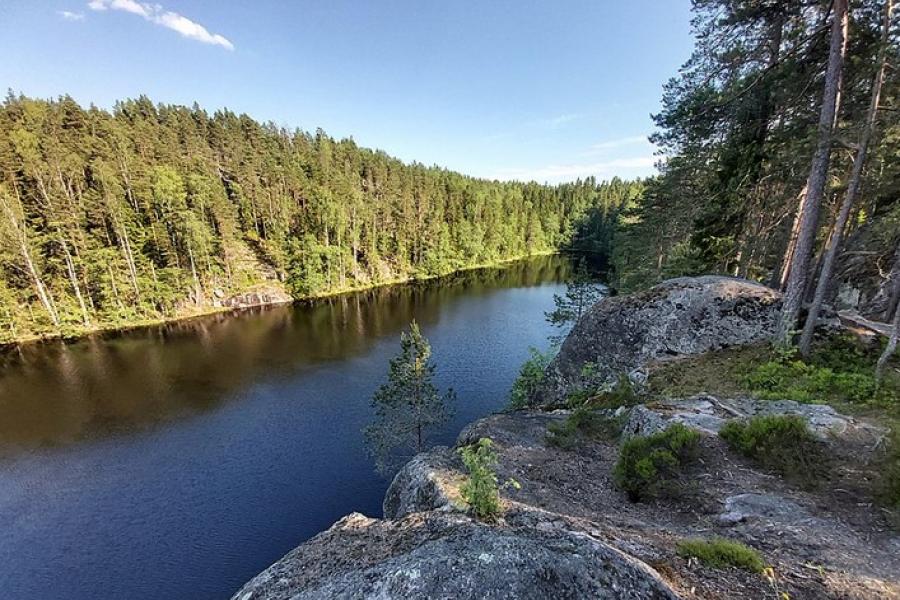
440 555
679 317
423 484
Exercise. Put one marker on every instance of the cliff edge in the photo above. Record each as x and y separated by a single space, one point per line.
568 531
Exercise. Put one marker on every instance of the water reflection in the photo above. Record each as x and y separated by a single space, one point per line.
58 393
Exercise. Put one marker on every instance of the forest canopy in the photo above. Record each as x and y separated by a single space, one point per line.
153 211
738 129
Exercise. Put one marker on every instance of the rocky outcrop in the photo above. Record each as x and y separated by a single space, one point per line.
567 531
253 298
427 482
679 317
436 555
707 414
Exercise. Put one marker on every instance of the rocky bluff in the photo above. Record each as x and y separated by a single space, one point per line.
568 532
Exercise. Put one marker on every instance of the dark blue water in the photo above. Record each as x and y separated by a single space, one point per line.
179 461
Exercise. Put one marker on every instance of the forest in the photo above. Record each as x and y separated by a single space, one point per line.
779 142
150 212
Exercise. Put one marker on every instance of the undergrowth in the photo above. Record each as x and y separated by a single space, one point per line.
620 394
531 376
649 466
583 424
781 443
839 372
480 491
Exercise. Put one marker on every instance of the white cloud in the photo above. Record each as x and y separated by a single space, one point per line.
625 167
625 141
71 16
558 121
171 20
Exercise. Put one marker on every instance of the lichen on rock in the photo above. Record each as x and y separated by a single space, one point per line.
679 317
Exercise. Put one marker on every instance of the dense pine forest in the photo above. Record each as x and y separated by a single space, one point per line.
148 212
780 140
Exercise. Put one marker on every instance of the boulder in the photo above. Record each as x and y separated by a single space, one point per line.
260 297
441 555
427 482
742 507
679 317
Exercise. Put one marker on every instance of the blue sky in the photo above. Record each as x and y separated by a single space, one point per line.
548 90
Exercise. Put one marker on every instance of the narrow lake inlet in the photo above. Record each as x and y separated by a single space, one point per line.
178 461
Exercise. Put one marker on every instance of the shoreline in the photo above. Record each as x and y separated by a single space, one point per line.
215 310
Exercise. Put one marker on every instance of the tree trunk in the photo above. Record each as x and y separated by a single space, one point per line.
22 241
73 278
792 242
809 217
891 346
197 288
893 287
852 189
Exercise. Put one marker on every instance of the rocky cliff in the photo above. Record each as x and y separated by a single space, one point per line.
569 532
679 317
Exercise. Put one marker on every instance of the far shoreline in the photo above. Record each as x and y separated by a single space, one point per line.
102 331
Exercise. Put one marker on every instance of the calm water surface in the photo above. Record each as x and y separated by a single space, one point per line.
178 461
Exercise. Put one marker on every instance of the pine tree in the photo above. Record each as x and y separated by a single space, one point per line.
808 218
408 406
582 292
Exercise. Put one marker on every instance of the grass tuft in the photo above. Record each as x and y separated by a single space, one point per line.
721 553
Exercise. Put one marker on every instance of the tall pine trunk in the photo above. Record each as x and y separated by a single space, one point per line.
891 346
859 161
893 287
809 217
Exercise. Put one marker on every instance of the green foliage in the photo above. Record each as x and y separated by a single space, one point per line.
582 291
781 443
146 211
649 466
481 491
733 168
531 376
839 371
721 553
621 394
582 424
408 405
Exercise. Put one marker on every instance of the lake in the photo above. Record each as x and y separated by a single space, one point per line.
178 461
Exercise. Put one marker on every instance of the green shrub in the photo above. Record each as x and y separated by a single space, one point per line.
531 376
839 370
480 491
649 466
579 398
622 394
583 423
722 553
782 443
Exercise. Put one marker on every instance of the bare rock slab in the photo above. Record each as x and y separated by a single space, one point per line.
679 317
438 555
